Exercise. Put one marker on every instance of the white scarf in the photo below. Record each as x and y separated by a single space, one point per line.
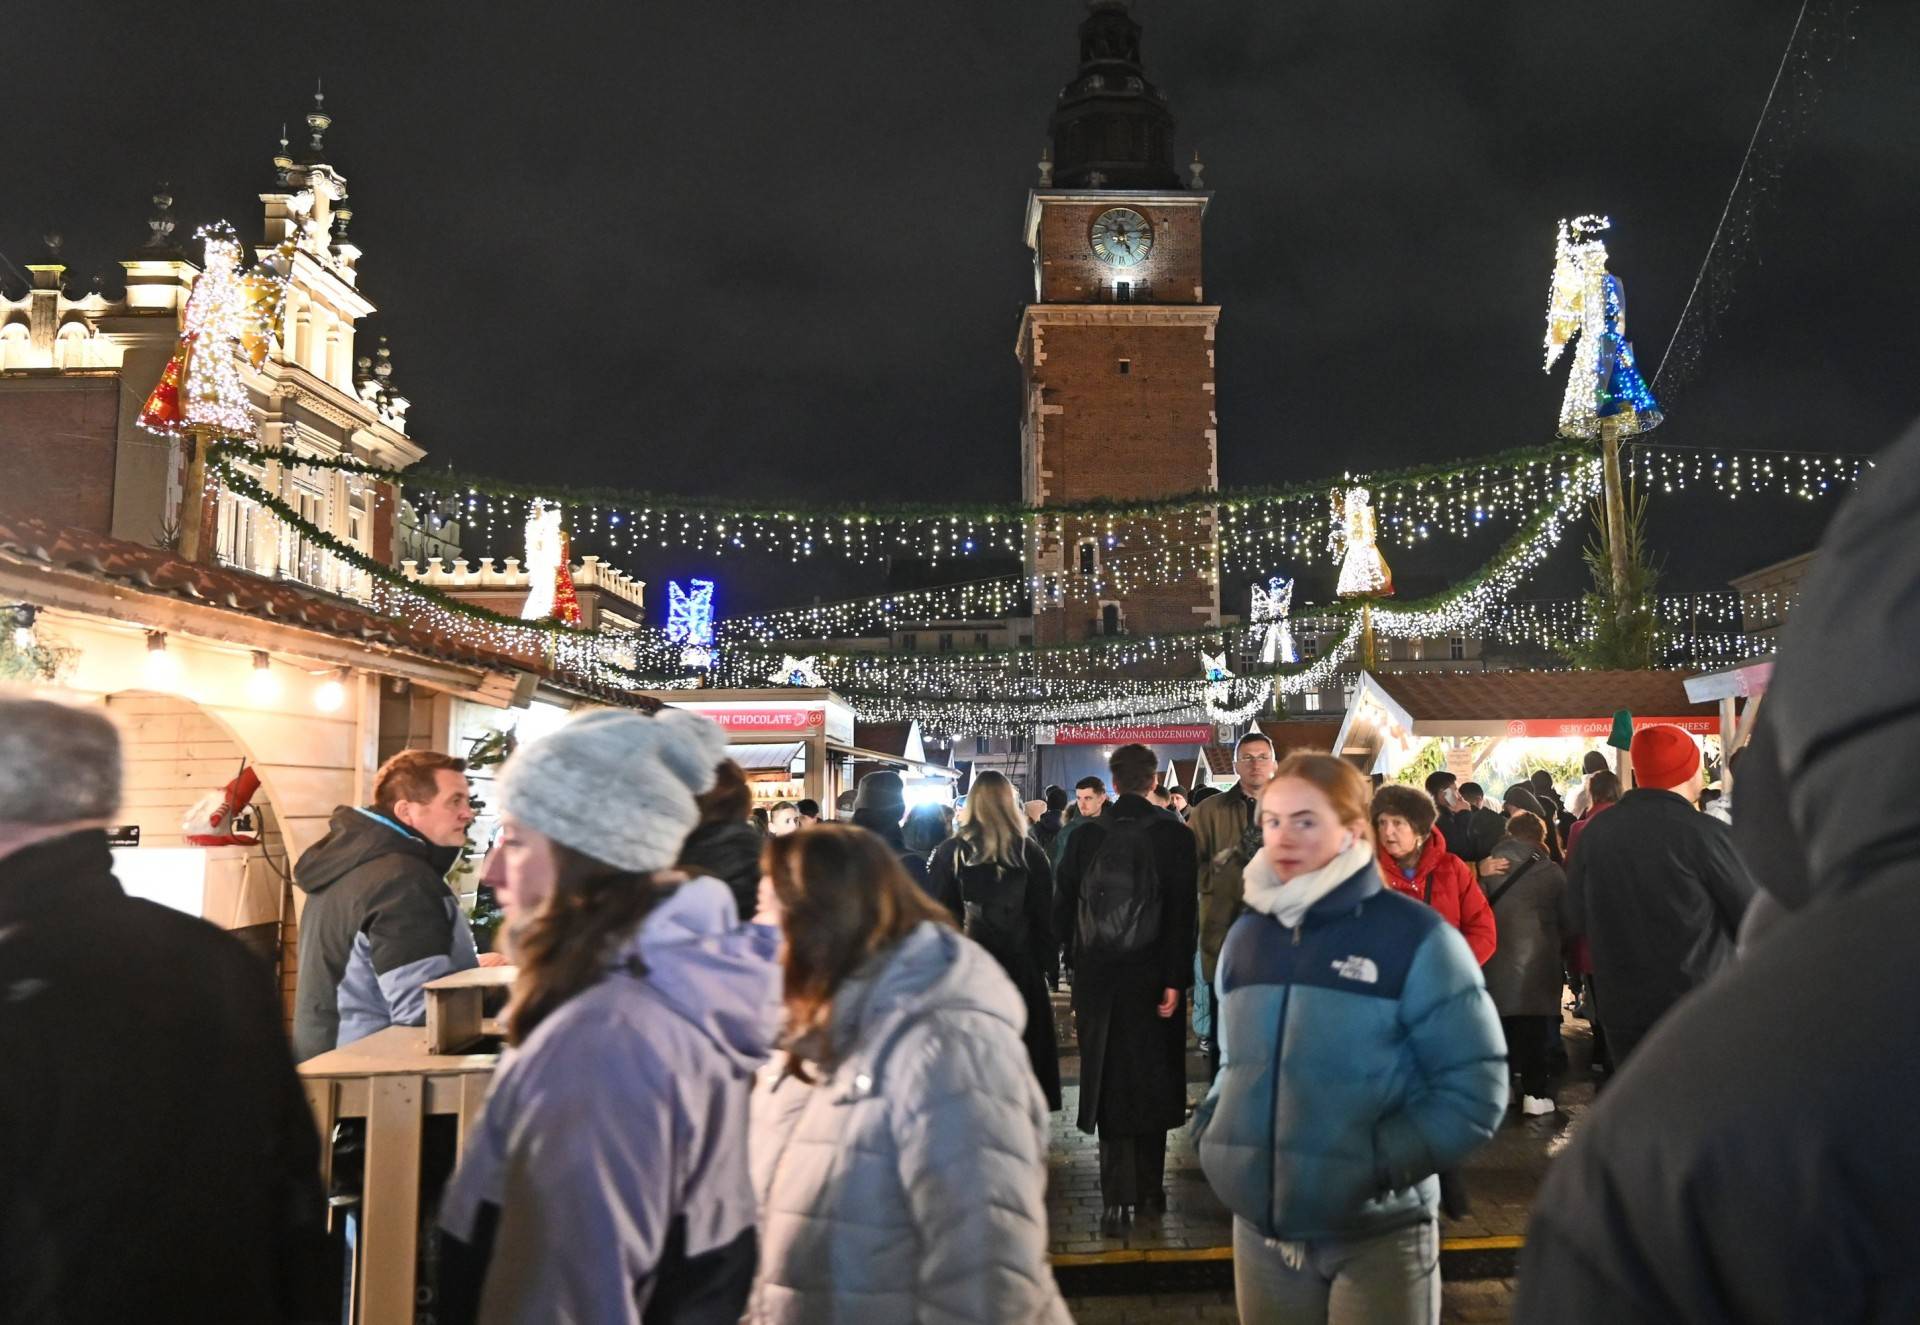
1288 900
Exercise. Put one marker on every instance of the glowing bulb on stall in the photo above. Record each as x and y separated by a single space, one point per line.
162 669
331 694
263 687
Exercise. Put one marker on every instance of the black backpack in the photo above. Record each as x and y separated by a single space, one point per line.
994 900
1120 894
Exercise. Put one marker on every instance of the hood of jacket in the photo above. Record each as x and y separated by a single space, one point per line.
718 975
726 851
881 824
356 836
932 969
1834 746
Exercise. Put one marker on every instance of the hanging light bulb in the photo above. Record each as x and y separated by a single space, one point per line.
163 668
23 619
263 687
331 694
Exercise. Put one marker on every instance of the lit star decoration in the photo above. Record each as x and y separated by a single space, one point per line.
797 672
1215 666
690 622
1270 609
1587 307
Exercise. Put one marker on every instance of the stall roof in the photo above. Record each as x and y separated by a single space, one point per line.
765 758
1314 736
156 573
1488 702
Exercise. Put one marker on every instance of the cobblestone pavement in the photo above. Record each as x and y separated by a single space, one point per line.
1480 1302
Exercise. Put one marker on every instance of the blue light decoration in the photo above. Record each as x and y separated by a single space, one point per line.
690 622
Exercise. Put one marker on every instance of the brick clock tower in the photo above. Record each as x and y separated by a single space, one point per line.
1116 349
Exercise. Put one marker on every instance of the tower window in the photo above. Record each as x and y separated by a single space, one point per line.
1123 292
1109 618
1089 558
1126 367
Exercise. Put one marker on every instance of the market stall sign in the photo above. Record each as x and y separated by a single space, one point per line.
769 721
1697 724
1198 733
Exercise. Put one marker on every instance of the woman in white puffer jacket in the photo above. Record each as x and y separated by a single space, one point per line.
899 1145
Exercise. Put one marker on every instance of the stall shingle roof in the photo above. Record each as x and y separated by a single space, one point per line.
28 541
1518 696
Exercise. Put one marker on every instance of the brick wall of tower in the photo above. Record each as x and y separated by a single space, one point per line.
1070 272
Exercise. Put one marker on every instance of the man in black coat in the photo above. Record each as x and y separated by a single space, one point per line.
1132 968
1470 831
1754 1163
157 1158
1657 890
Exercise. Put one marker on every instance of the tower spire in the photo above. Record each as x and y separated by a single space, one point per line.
317 123
1112 128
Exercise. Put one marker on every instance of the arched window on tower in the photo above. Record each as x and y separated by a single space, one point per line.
1112 620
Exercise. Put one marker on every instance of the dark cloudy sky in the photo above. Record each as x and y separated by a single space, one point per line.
741 246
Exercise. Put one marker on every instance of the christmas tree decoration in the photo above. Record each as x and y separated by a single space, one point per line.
566 601
1363 570
1270 608
690 622
797 672
1587 307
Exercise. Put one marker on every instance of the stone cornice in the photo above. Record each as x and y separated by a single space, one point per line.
1115 315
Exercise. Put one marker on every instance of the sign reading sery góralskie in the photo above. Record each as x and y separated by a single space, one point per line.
1198 733
1697 724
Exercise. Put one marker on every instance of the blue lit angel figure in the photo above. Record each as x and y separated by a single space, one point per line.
1587 307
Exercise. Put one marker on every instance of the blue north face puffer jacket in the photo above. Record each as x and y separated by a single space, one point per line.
1360 1055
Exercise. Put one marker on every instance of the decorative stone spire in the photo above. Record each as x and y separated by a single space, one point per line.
1112 128
283 163
1194 170
1046 166
161 223
342 217
318 122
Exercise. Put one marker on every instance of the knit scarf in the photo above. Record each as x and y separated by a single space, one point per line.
1289 900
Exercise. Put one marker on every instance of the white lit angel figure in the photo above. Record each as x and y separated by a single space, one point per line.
1605 392
690 622
545 540
798 672
1363 571
1271 606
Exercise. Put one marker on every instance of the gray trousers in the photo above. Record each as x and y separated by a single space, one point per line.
1389 1279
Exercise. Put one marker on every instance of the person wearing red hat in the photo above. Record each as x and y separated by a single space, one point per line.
1657 891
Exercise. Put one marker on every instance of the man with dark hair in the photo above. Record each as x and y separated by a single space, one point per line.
380 920
1473 794
1125 890
1472 829
809 812
1048 826
1089 802
157 1157
1226 834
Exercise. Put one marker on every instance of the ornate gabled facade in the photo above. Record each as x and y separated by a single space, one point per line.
74 371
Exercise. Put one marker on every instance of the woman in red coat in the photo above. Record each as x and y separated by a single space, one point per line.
1414 860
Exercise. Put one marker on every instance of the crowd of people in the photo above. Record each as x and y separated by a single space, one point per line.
803 1071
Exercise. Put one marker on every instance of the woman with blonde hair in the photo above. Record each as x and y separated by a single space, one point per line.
1359 1056
996 881
898 1146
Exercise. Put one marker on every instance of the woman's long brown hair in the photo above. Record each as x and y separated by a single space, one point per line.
846 897
563 948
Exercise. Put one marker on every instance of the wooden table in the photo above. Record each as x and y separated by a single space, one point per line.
393 1080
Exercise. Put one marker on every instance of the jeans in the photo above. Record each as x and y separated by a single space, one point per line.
1202 1001
1387 1279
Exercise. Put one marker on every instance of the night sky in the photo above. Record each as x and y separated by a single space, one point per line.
735 247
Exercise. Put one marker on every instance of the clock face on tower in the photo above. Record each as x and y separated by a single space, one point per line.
1121 237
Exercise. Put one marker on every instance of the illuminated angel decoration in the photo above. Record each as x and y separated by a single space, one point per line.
690 622
798 672
231 322
545 540
1271 606
1363 571
1588 307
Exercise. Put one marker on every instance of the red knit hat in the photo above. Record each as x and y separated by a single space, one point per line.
1664 757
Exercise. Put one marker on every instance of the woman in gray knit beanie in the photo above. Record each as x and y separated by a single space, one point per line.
609 1165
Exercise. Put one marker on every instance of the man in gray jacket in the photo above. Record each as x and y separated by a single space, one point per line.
380 921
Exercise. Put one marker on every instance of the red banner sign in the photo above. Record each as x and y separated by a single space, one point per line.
1699 725
1198 733
786 722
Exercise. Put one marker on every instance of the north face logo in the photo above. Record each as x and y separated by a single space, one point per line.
1357 968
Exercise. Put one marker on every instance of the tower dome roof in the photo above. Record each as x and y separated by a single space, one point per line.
1111 128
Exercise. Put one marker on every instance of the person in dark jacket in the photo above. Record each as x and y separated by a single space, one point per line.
1527 894
1470 831
880 806
1132 967
380 920
994 879
1051 819
1657 890
726 846
1753 1162
158 1161
606 1178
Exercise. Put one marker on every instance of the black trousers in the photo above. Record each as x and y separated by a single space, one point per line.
1530 1042
1133 1167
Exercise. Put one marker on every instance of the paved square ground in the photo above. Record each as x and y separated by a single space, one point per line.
1482 1302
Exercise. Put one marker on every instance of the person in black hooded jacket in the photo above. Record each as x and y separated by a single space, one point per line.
879 806
726 846
1753 1162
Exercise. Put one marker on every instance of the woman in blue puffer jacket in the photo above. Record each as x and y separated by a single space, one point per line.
1360 1055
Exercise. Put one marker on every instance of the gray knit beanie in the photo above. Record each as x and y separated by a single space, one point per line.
616 785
